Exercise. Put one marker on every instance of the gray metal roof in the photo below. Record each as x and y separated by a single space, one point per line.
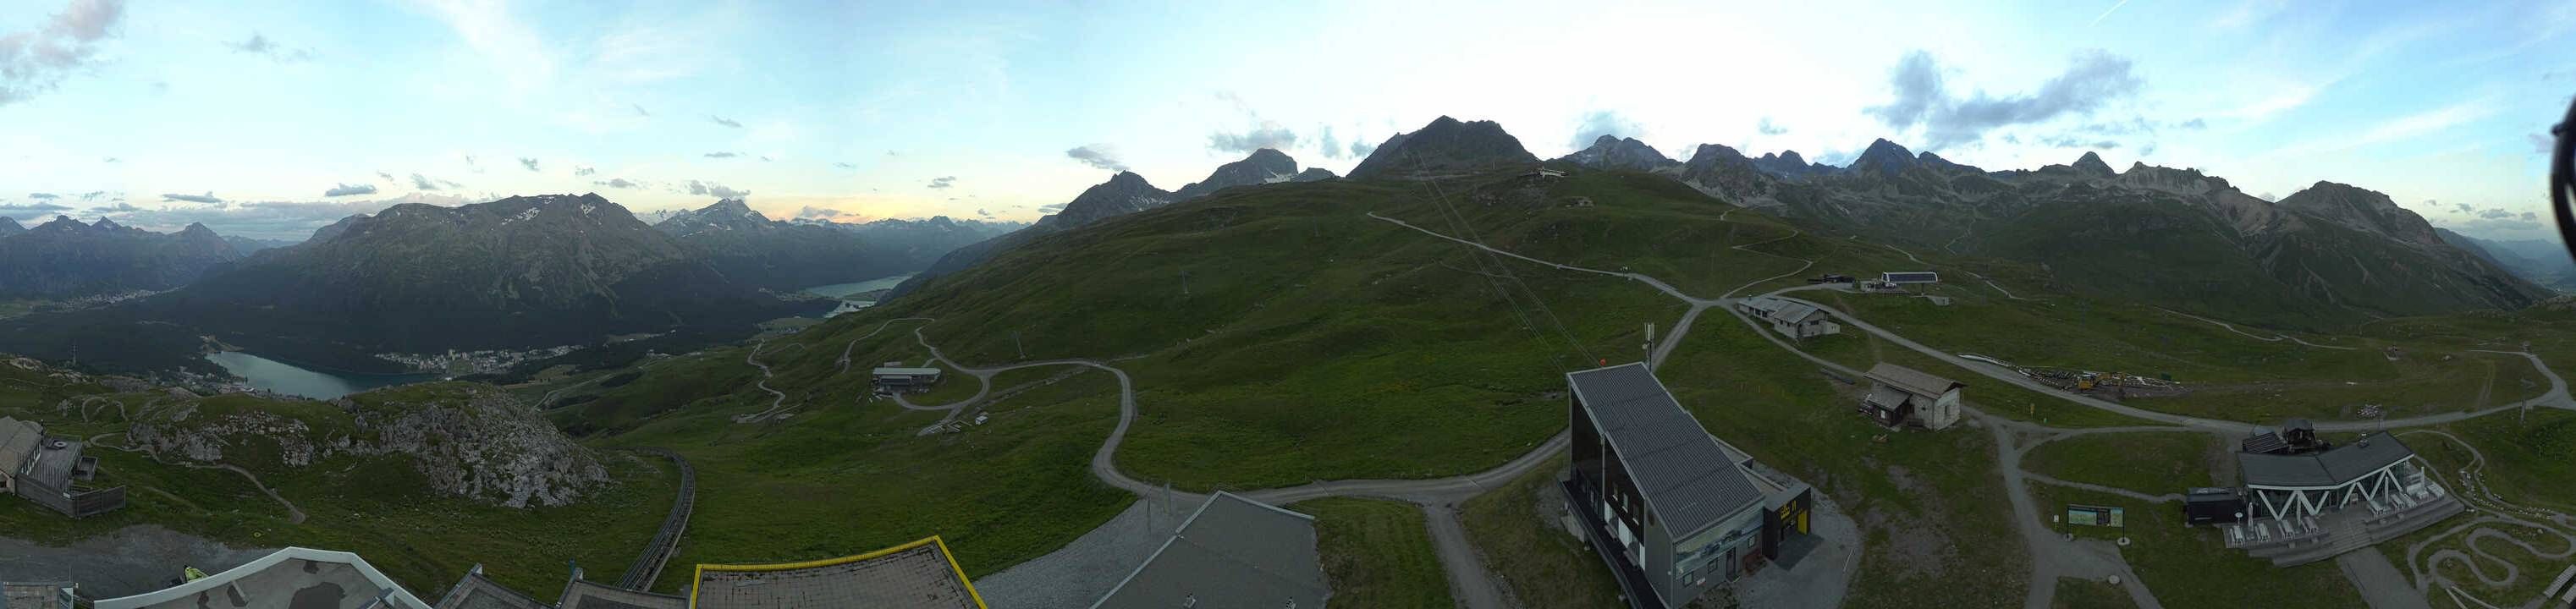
894 371
2330 468
1795 312
1885 397
53 466
1233 553
584 594
1686 478
478 592
17 442
1912 381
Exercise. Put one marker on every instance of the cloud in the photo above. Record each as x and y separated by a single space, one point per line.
1361 148
2092 79
36 207
259 44
2462 207
639 111
35 61
1267 135
469 161
111 160
716 190
583 170
344 190
981 212
529 163
943 182
724 121
422 182
2061 141
42 195
209 197
1766 127
722 155
618 183
2504 224
387 176
1598 123
810 212
1051 208
764 159
846 165
92 195
1097 155
1324 140
2195 124
266 219
118 208
2541 144
2495 214
2531 216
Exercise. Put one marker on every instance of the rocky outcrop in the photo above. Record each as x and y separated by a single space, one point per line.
470 441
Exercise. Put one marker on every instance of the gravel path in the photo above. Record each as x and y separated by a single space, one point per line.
1083 571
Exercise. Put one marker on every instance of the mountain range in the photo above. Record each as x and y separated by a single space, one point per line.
2542 262
2330 253
783 256
1124 193
65 258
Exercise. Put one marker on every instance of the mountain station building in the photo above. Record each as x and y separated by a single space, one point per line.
1674 511
2307 500
895 378
1233 552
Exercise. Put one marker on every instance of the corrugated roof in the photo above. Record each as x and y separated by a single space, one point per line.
2330 468
1886 397
478 592
907 371
1233 552
1913 381
18 441
584 594
1686 478
1796 312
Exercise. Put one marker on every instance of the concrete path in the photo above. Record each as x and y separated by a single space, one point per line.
2378 581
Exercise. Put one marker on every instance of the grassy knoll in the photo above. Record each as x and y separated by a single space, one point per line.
2192 567
1377 553
374 506
2530 457
2152 463
953 387
842 478
1930 504
2075 593
2419 384
1544 566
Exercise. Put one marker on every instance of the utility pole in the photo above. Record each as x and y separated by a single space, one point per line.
1185 282
1650 345
1015 342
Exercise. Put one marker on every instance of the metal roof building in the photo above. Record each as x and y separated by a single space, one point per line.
921 574
1668 505
1233 552
478 592
2299 485
292 578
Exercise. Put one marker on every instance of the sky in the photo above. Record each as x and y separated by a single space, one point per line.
269 119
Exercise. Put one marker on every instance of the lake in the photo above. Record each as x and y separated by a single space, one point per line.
839 290
281 377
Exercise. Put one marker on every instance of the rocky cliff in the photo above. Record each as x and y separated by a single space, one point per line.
464 440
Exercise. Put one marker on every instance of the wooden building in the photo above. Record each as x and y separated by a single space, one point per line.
51 471
1905 396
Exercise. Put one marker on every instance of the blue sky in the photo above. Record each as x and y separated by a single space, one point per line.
856 110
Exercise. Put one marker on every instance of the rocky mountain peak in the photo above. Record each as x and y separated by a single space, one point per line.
1447 145
2362 209
1124 193
1314 174
2092 164
1613 152
1883 158
1264 166
9 226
